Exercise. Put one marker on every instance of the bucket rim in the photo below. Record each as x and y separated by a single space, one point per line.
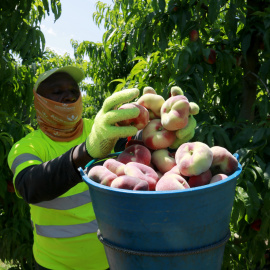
92 183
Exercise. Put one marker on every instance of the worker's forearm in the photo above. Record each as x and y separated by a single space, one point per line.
53 178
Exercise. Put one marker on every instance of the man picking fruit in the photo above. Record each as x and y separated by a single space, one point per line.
45 166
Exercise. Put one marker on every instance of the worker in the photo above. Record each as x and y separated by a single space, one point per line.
45 166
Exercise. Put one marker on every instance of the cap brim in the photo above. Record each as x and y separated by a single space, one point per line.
76 73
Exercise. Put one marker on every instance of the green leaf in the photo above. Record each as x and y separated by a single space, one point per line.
56 9
2 153
242 195
249 172
1 46
206 52
263 106
139 67
183 60
264 70
267 37
231 21
246 43
194 90
238 212
42 39
227 140
267 176
183 21
107 51
46 5
261 163
266 202
3 190
131 44
19 38
243 137
259 135
199 83
254 201
213 10
210 138
176 59
155 5
162 5
163 43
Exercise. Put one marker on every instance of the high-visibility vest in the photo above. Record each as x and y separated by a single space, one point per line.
65 229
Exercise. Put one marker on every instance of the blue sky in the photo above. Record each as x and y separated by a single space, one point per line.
76 22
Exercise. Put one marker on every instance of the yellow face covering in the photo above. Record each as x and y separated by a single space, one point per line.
59 121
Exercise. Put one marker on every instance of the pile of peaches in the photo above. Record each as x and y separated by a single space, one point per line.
164 159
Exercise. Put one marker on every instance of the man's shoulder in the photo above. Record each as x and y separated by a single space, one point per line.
33 140
88 121
35 135
87 124
32 143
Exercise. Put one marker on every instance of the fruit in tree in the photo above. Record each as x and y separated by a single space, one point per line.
187 68
129 182
256 225
223 161
140 121
114 166
218 177
101 175
193 158
171 182
155 136
193 35
143 172
175 112
200 180
152 103
211 58
175 8
163 160
135 153
238 60
10 186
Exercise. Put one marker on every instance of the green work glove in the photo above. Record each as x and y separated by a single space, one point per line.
104 133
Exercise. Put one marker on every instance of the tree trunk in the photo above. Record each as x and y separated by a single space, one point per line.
251 66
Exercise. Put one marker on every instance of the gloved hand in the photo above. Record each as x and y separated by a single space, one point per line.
104 133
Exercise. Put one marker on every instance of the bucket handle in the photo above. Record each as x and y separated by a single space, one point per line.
93 161
165 254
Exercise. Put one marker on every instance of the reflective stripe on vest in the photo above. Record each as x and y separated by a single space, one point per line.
21 159
65 203
65 231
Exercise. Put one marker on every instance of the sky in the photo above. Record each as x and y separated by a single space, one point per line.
76 22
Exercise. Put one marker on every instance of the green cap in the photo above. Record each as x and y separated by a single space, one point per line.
76 73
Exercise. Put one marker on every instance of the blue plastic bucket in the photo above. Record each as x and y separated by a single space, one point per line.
185 229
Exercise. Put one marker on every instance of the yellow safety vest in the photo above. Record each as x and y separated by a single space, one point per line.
65 229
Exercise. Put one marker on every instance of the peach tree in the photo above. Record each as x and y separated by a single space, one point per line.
218 52
21 46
